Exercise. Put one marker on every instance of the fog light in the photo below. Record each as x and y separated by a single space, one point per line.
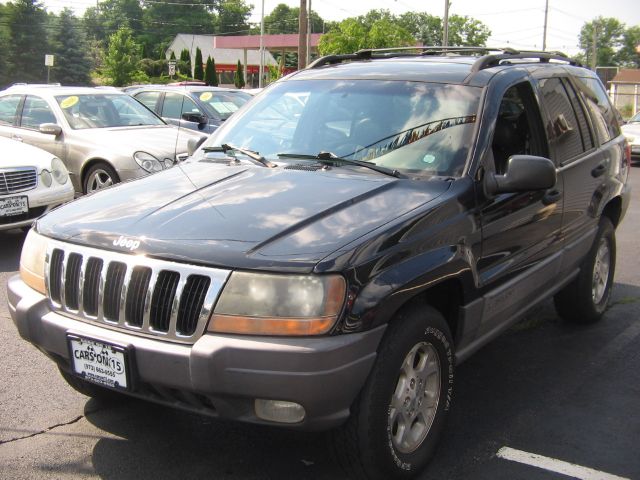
279 411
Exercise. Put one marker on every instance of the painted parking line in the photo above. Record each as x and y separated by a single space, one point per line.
553 465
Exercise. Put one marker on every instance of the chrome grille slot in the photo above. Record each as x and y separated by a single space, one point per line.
136 295
191 302
55 277
18 180
150 297
72 281
90 293
113 290
162 300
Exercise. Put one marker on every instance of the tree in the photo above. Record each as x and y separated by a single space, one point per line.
233 17
352 35
238 77
184 65
609 34
5 66
629 56
26 28
210 75
121 60
72 63
284 19
198 72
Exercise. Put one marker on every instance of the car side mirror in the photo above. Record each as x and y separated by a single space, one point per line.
50 129
194 117
193 144
524 173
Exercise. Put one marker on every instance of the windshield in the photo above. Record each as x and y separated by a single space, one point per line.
407 126
222 104
105 110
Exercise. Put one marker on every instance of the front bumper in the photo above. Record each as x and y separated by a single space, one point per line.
219 375
41 200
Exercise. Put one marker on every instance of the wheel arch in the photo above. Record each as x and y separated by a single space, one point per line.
613 211
90 163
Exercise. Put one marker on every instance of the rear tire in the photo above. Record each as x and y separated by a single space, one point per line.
88 389
396 421
586 298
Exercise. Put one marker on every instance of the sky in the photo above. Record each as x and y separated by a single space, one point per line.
515 24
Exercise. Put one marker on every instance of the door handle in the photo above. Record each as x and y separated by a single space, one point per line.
552 196
599 170
17 138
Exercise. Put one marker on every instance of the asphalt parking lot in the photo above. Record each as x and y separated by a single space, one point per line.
566 396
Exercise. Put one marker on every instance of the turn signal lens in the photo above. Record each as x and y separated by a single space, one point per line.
32 261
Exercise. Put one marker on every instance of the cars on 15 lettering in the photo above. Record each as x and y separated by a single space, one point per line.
338 244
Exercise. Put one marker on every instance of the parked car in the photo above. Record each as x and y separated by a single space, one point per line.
326 258
32 182
199 108
632 131
102 136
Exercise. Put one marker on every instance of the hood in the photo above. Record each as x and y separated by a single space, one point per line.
18 154
163 141
239 216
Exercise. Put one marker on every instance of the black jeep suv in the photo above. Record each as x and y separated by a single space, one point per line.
325 258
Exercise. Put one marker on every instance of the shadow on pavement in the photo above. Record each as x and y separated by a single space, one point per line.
10 246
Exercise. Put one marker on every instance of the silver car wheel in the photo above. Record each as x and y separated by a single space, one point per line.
99 179
601 268
415 400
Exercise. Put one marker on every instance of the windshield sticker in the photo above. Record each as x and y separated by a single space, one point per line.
69 102
206 96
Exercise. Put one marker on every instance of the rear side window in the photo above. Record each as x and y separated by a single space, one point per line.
176 104
149 99
8 109
563 130
604 118
35 112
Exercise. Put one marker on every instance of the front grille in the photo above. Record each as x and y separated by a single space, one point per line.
150 296
17 180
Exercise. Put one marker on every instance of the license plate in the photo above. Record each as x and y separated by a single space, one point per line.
13 206
99 362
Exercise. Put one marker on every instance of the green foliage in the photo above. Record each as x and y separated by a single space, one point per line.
26 22
628 55
609 37
121 61
238 76
173 55
153 68
210 74
285 19
198 72
233 17
352 35
184 65
72 63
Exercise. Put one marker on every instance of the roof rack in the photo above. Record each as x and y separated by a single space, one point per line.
491 58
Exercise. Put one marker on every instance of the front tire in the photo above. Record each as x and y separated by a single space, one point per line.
397 420
586 298
99 176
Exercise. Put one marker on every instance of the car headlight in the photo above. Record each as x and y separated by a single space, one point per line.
32 259
45 178
59 171
266 304
148 162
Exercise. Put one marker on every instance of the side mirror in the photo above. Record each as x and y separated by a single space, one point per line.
193 144
194 117
50 129
524 173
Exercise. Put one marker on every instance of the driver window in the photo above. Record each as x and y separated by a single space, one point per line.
517 130
35 112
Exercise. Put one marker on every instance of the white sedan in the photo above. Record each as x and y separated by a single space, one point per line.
32 182
631 130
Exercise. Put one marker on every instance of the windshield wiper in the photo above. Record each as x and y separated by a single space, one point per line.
254 156
333 159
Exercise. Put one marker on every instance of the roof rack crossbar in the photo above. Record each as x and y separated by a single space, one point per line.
494 60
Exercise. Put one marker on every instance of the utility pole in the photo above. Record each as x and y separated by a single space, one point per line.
445 24
302 35
594 48
544 35
309 29
261 69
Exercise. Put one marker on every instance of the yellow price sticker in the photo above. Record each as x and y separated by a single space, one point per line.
206 96
69 102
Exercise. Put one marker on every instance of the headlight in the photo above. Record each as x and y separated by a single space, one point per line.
148 162
45 178
265 304
59 171
32 261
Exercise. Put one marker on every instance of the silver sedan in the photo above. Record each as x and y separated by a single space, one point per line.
102 136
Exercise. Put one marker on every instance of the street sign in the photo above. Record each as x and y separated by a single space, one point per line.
48 60
172 68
